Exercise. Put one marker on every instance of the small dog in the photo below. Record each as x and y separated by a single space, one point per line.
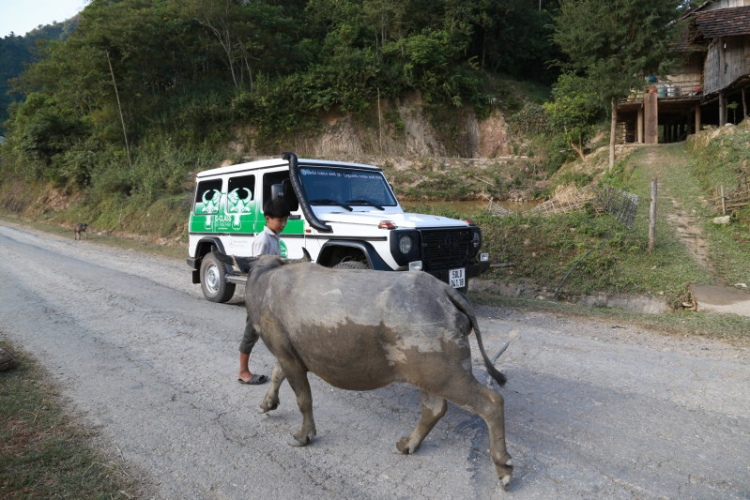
79 229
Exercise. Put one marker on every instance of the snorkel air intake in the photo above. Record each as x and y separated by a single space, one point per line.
299 190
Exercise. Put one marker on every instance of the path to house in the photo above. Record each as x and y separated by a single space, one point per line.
665 162
662 162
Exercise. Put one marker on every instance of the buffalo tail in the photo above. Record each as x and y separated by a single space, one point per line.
462 303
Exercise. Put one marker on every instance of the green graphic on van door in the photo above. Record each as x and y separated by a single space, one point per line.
233 212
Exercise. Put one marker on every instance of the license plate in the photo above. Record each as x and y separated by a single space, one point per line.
457 277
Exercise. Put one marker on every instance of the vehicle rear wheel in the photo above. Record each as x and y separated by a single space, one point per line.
351 264
213 280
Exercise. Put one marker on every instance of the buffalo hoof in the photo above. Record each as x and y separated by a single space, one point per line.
299 443
267 406
504 473
403 447
301 439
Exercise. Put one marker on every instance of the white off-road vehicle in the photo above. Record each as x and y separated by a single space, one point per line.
344 215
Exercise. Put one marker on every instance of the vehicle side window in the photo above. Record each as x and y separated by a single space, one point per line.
207 197
240 193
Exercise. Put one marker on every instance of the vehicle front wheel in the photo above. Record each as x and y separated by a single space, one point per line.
213 280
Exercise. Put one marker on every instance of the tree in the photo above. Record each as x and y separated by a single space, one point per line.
18 51
614 44
573 110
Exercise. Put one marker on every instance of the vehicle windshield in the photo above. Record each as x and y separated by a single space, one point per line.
346 188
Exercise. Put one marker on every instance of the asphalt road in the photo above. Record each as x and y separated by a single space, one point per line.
593 410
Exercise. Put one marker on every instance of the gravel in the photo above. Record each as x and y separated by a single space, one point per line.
593 409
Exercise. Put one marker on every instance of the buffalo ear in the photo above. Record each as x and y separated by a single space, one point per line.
244 263
306 255
241 263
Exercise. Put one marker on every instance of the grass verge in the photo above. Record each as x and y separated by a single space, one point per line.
112 241
43 453
734 330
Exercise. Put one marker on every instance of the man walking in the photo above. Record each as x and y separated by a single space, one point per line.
277 213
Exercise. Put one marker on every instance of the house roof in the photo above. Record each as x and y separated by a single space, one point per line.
690 39
716 23
698 8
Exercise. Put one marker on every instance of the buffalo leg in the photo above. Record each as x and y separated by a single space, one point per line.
433 409
472 396
297 377
271 400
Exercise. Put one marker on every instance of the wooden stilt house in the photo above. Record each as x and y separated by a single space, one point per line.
708 89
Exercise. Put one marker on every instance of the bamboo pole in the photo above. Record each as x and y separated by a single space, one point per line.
652 217
380 126
612 136
119 108
484 180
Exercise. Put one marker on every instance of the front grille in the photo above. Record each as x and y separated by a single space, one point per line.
446 248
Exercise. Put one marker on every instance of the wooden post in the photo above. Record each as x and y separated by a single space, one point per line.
697 118
651 117
722 109
744 106
652 217
639 125
723 202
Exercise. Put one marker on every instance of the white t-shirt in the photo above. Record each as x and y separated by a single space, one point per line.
266 243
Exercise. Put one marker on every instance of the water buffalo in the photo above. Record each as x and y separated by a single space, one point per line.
363 329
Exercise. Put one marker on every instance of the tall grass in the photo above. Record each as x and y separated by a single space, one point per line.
43 453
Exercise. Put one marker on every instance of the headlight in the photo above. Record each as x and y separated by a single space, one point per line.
405 244
476 240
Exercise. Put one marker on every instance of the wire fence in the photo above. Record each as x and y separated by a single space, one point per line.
622 205
619 204
566 200
725 201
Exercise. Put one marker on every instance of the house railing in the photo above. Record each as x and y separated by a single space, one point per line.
667 90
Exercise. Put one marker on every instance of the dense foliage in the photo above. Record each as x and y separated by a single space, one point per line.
18 51
137 75
615 44
144 92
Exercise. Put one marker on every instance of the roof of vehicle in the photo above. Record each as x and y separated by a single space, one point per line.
278 162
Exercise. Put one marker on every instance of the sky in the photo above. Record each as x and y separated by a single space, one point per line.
22 16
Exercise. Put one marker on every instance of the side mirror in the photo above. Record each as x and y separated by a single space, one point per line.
277 191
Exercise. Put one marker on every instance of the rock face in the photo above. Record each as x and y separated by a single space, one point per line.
407 127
